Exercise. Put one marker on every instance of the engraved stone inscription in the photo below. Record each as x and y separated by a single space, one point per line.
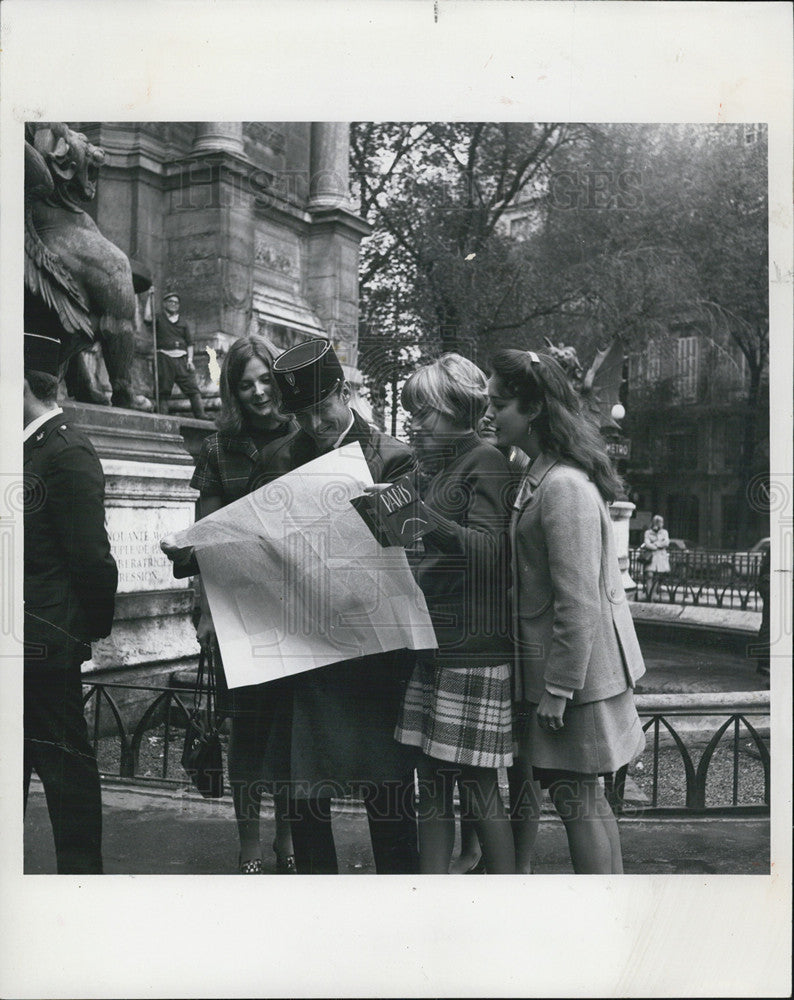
135 535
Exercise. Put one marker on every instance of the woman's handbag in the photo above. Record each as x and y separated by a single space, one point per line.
201 756
645 555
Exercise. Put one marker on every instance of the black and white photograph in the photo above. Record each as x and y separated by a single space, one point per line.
403 488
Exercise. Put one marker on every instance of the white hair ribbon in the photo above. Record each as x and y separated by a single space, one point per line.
533 358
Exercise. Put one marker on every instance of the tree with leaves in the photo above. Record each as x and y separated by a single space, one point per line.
435 195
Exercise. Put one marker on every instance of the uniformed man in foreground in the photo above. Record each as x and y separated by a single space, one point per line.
70 587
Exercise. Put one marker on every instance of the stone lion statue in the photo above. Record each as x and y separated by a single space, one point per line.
78 285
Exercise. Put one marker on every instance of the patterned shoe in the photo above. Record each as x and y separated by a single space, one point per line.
252 867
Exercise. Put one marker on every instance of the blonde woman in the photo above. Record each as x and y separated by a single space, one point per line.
657 542
457 707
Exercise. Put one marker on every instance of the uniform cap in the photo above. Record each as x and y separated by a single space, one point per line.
306 374
42 354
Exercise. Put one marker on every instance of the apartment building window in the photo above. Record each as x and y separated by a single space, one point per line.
752 133
683 516
733 430
653 362
687 368
681 452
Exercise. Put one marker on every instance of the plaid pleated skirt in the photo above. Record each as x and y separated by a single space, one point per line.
459 714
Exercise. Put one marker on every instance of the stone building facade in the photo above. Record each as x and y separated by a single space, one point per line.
252 225
250 222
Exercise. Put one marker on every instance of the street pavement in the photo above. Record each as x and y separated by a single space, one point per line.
154 832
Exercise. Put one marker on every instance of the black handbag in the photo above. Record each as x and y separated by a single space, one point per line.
646 555
201 756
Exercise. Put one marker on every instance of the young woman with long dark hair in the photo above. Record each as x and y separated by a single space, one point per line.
577 656
250 447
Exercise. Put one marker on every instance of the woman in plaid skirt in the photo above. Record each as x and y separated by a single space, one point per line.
457 707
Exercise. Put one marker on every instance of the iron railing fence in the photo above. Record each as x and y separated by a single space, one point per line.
146 749
722 579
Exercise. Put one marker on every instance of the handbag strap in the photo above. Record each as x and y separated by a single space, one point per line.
205 669
212 693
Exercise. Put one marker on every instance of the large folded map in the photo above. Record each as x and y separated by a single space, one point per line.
295 580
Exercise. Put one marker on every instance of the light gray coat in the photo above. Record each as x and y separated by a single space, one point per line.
573 626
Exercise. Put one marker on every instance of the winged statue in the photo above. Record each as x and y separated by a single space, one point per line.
78 285
599 386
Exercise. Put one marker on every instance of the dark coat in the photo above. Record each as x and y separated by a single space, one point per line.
464 572
70 575
340 731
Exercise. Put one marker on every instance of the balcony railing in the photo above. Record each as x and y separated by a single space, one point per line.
141 742
721 579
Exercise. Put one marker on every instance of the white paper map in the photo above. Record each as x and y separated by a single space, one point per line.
295 579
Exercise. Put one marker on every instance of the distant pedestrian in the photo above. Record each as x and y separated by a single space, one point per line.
175 357
70 587
657 542
577 656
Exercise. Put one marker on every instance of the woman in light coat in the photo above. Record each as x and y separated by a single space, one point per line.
577 656
657 542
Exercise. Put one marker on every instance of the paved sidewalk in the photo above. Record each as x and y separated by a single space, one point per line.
153 832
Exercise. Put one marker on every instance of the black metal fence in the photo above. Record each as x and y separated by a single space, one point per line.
721 579
682 762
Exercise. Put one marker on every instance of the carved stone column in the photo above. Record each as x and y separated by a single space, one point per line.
329 183
214 137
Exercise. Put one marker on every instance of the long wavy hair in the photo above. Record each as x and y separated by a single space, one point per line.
562 428
230 419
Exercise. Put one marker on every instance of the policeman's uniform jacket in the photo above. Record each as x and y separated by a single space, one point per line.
70 574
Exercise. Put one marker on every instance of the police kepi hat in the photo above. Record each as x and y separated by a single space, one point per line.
306 374
42 354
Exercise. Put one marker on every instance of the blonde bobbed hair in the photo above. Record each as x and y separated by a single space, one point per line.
452 385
